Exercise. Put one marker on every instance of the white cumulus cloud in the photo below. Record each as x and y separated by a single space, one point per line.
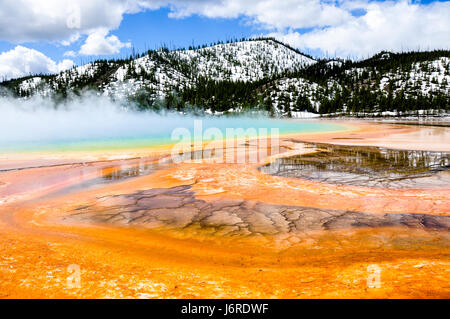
331 27
22 61
59 20
64 21
70 53
269 14
99 42
324 25
393 26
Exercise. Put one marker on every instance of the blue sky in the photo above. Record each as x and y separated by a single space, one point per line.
152 29
109 28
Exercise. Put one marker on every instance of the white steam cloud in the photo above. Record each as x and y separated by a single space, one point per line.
87 118
39 122
96 121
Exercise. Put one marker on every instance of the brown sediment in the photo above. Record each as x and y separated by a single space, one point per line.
222 230
178 208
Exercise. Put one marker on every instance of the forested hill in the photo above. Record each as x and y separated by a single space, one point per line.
262 74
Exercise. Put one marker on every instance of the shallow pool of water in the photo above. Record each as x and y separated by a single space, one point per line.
148 131
366 166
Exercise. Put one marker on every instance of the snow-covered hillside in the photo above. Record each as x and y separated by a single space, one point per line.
298 94
260 74
385 83
424 76
163 71
244 61
421 77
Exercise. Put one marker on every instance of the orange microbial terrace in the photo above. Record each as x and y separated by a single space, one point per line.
358 212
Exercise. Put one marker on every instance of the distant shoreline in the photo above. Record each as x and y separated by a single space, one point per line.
433 120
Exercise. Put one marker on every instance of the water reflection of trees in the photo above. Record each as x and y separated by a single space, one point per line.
337 162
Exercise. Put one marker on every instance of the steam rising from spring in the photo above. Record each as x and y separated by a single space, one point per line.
38 123
85 118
